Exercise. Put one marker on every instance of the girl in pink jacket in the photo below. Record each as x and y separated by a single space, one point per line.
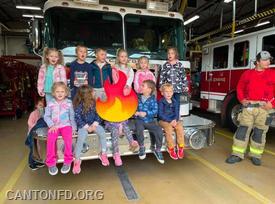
51 71
143 73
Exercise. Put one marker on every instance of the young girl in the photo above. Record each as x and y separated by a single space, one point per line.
33 118
87 121
122 65
119 128
59 116
143 73
51 71
172 72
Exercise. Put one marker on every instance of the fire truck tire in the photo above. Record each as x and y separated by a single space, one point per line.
232 111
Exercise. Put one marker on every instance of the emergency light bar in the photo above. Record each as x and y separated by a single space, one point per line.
157 6
92 2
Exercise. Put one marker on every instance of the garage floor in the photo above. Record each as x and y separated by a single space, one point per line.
202 177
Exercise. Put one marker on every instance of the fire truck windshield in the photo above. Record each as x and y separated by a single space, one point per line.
65 28
151 36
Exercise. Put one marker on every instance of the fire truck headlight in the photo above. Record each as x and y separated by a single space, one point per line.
195 138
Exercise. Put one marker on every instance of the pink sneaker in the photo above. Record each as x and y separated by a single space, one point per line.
117 159
76 168
104 159
180 152
134 146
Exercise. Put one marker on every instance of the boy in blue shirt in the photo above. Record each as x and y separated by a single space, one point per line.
147 109
80 70
168 114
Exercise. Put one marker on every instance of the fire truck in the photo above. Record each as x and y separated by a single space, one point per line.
223 63
141 27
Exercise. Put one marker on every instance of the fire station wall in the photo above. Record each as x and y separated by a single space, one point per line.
13 45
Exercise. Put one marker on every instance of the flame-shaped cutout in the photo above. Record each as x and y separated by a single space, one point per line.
117 107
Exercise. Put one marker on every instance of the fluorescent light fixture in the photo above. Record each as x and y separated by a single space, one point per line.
191 19
32 16
238 31
262 23
227 1
28 7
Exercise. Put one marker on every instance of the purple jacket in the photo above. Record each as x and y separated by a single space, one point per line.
60 114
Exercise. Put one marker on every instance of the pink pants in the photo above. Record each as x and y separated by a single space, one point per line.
66 133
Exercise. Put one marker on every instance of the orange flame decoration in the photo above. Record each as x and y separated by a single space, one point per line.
117 107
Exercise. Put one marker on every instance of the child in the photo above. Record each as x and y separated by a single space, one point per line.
102 71
80 70
33 118
147 109
87 121
59 116
172 72
143 73
117 129
122 65
168 114
51 71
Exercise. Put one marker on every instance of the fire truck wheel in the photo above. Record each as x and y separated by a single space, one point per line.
232 111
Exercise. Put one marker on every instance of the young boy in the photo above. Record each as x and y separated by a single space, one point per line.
168 114
81 72
102 71
147 109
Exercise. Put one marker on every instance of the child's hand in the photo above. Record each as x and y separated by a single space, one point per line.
53 129
126 90
142 114
74 132
137 113
91 128
173 123
185 89
41 93
76 83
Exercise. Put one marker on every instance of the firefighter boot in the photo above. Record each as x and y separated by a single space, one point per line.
256 161
233 159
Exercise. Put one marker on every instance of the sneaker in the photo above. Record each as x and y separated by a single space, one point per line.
53 170
76 167
85 148
180 152
256 161
104 159
159 156
142 154
65 168
39 164
117 159
33 167
152 148
134 146
233 159
172 153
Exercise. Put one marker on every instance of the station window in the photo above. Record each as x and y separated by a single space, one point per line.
269 45
241 54
220 60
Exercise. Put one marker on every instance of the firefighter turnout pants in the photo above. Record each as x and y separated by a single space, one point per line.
257 121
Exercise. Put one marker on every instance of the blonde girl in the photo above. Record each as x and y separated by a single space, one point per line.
51 71
143 73
59 116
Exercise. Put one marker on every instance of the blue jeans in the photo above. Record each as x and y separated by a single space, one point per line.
82 135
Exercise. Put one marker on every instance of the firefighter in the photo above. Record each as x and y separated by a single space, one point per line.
256 93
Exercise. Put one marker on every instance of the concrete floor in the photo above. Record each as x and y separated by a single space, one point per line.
202 177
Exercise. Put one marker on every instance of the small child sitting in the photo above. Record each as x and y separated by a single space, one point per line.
168 114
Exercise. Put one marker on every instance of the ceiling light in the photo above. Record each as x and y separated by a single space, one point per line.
32 16
262 23
227 1
28 7
191 19
238 31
